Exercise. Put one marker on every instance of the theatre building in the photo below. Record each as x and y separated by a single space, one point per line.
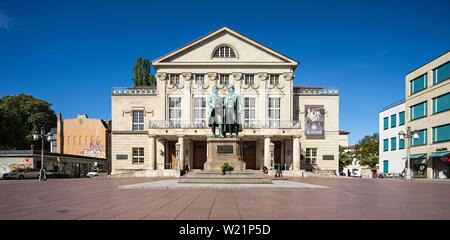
286 127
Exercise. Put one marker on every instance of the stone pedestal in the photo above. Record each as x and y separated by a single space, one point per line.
222 150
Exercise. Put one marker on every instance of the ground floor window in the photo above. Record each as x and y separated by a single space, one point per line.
385 166
419 168
311 156
138 155
441 168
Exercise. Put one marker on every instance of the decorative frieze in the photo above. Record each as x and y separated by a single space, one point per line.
262 76
212 76
288 76
161 76
187 76
237 76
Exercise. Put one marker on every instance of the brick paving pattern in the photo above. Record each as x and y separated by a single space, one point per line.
344 199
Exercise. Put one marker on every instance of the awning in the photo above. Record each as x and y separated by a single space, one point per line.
419 155
439 154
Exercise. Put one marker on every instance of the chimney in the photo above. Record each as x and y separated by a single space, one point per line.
59 134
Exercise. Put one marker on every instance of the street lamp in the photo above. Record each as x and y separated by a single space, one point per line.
272 150
408 135
41 135
177 154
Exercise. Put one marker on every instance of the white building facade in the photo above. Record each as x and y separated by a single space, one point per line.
392 149
301 122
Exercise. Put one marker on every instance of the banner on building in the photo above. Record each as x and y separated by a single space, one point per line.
314 120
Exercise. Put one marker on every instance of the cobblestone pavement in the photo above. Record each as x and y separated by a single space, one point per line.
344 199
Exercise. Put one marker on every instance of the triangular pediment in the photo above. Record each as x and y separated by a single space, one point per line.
246 49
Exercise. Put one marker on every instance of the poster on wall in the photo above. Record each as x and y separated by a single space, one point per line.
314 121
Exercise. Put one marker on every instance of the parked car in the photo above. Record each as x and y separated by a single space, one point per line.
97 173
24 173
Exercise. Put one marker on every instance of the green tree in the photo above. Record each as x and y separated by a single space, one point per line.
142 75
345 156
26 115
366 151
137 73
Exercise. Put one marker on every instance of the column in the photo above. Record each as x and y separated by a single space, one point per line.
181 142
152 152
296 154
267 151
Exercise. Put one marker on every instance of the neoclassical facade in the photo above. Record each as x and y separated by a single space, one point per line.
302 123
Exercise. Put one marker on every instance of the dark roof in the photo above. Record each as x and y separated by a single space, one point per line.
342 132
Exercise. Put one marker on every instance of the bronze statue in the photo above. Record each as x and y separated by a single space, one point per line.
233 116
215 112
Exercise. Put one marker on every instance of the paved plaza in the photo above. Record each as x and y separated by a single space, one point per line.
339 198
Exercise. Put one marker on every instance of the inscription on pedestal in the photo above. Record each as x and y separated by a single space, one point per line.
225 149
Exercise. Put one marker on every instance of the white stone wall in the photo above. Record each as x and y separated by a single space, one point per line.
396 158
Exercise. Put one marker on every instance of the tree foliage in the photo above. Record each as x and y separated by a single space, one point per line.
366 151
345 156
21 116
142 75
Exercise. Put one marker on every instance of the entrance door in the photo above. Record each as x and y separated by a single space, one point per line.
172 161
249 155
199 154
277 155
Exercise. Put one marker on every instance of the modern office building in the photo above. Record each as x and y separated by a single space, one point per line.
427 108
301 122
392 151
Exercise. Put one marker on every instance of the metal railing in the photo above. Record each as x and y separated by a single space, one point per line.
186 124
123 91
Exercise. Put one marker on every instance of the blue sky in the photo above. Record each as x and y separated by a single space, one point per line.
71 53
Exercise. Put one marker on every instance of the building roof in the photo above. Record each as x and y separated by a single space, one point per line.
428 62
232 32
342 132
392 105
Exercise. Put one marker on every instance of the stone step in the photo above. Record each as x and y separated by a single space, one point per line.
226 180
247 177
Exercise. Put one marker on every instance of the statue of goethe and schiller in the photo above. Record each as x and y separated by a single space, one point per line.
225 112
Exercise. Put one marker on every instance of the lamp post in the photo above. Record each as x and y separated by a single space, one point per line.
408 135
272 150
41 135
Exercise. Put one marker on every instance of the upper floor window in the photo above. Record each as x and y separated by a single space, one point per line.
138 120
441 73
418 84
385 123
249 79
224 79
274 112
401 118
418 110
441 133
249 111
274 79
199 111
174 79
422 140
385 145
175 111
199 79
224 52
441 103
393 120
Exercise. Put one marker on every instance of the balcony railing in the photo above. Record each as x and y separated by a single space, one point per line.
249 124
121 91
316 91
